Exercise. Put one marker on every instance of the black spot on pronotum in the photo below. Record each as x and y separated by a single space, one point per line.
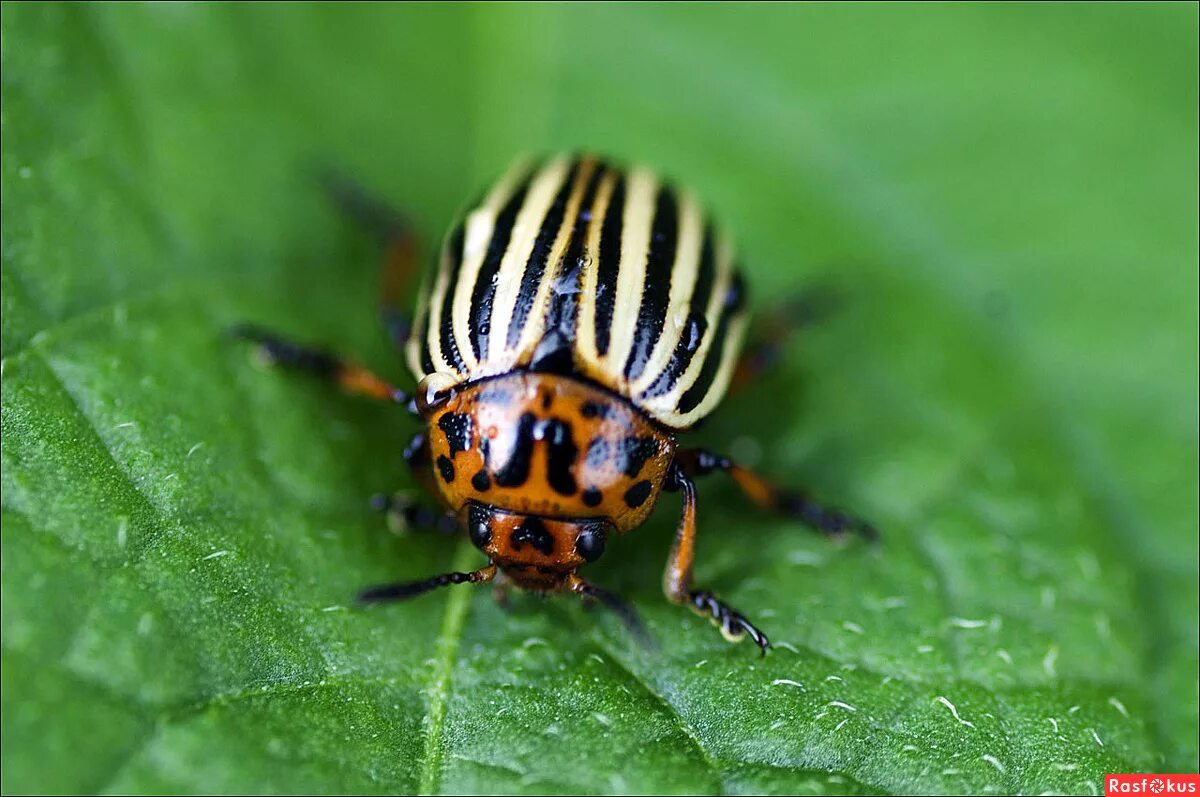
632 453
446 468
478 526
533 532
457 427
561 456
481 481
515 471
595 409
636 495
590 542
592 497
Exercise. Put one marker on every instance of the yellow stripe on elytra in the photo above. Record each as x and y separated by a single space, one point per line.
683 282
480 224
512 267
729 357
414 346
433 336
664 405
535 325
585 338
640 194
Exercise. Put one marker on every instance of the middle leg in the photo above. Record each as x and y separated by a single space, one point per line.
830 521
276 350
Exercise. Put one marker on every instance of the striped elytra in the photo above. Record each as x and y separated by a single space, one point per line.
574 266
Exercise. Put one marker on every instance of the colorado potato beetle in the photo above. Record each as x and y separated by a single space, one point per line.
577 319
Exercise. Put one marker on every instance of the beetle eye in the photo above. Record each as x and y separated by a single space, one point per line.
478 526
590 543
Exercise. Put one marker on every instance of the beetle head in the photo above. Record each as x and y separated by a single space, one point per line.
538 553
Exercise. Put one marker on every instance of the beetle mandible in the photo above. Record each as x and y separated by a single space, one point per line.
576 320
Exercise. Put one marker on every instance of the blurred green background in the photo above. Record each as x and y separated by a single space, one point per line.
1006 194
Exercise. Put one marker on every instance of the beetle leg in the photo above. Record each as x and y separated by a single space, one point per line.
805 309
403 514
420 461
410 589
395 234
677 578
829 521
352 378
500 591
613 603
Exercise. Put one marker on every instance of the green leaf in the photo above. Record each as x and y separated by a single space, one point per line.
1006 195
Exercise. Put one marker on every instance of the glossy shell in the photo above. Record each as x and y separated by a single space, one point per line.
548 446
575 267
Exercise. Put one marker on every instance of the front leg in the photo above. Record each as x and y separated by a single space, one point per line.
403 514
677 579
402 511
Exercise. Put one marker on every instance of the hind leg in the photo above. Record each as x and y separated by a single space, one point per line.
776 331
398 238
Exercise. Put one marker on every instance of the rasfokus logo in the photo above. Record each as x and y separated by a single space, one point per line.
1151 784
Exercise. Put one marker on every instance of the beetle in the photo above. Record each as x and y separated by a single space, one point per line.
577 319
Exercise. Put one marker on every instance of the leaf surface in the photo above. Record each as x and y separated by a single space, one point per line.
1005 195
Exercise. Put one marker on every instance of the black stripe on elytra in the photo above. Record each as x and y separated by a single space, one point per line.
561 455
484 291
656 288
457 427
696 324
555 351
535 267
515 471
422 338
735 298
609 265
454 251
